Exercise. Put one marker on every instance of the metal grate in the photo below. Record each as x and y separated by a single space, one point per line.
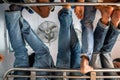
61 4
33 71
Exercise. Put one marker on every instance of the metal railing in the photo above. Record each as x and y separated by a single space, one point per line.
61 4
9 74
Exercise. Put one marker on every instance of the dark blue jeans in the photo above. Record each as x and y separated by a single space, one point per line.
19 30
104 40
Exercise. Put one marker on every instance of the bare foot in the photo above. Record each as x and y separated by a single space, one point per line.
84 66
115 18
106 12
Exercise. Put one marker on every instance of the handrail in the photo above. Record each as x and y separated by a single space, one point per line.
64 71
61 4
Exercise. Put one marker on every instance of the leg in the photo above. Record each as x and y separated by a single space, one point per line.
106 58
87 30
64 53
17 42
75 53
109 42
43 59
87 37
99 36
63 57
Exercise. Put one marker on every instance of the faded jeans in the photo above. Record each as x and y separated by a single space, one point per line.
69 49
104 40
19 30
87 29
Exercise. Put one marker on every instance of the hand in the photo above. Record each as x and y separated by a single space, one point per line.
79 11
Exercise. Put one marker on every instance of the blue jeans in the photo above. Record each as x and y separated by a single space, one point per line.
19 30
104 40
68 48
87 29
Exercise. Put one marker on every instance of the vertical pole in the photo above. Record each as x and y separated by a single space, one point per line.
33 75
93 76
64 75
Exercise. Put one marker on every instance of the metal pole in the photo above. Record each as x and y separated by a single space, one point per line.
64 74
64 71
93 76
33 75
61 4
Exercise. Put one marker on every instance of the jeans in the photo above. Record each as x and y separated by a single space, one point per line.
87 29
19 30
68 48
104 40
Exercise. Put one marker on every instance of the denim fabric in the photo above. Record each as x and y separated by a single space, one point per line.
19 30
110 38
17 42
104 40
68 48
87 31
99 36
109 42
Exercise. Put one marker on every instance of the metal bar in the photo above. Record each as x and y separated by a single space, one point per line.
64 75
6 75
61 4
64 70
93 76
89 77
12 76
33 75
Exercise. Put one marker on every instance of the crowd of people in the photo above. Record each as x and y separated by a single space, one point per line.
94 53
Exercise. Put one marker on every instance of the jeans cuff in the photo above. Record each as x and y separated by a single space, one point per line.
11 12
103 25
65 11
12 15
114 28
85 56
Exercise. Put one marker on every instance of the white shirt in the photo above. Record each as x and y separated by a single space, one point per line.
35 20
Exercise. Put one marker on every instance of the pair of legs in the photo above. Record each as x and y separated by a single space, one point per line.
105 36
87 16
69 49
19 30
